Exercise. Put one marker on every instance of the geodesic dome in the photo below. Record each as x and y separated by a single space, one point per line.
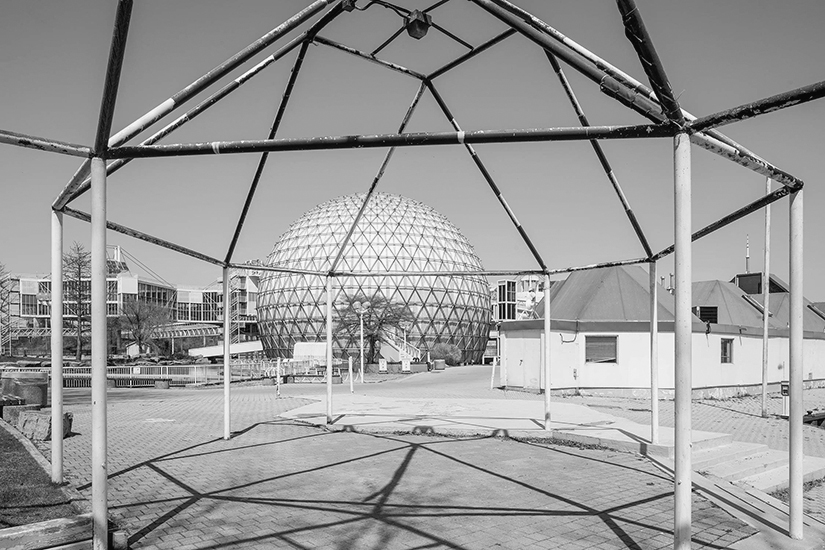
394 234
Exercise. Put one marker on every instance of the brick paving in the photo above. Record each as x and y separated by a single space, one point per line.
740 417
175 483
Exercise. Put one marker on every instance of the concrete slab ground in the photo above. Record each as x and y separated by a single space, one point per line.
282 483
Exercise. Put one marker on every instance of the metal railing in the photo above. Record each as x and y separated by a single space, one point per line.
145 376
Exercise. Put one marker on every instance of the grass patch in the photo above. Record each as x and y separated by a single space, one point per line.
784 494
27 494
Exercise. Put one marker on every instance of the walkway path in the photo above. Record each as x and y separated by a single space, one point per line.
175 483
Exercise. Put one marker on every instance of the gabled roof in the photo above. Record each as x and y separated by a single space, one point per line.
732 307
779 305
618 293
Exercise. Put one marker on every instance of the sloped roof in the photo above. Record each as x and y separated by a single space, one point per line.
618 293
779 305
732 308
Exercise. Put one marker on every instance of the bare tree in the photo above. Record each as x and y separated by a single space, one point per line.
77 272
142 320
381 315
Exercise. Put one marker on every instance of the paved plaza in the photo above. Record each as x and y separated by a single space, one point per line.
280 483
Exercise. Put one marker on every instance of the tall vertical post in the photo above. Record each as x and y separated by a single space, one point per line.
57 347
329 349
349 364
227 374
361 320
797 408
683 326
766 299
546 352
654 355
100 507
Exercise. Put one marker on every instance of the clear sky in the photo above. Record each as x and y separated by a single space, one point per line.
717 55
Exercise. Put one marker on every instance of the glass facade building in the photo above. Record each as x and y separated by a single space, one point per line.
395 234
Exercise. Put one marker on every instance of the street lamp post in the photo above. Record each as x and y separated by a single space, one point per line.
360 309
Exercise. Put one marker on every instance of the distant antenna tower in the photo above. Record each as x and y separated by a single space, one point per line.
747 253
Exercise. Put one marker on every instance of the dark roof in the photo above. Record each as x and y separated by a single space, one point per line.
618 293
732 306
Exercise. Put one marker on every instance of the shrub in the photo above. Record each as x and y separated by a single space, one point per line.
449 352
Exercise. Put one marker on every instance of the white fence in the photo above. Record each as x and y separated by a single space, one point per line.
144 376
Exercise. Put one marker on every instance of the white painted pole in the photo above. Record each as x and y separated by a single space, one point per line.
654 355
351 388
546 352
361 317
57 347
766 299
329 349
797 407
683 329
278 378
227 374
493 375
100 505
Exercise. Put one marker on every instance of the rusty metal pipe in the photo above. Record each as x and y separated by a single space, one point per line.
597 148
636 32
392 140
293 76
770 104
368 57
192 90
77 214
472 53
376 179
44 144
488 178
730 218
113 69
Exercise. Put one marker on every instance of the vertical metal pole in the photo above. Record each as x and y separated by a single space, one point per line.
227 375
351 388
682 239
361 317
546 352
766 298
57 347
329 349
797 407
654 355
278 379
100 506
493 375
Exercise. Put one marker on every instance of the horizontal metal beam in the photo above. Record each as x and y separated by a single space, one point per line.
260 267
77 214
44 144
393 140
761 107
730 218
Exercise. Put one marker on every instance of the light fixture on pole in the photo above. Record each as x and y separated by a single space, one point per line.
360 308
418 23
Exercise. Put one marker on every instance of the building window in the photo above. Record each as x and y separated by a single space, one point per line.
506 300
708 314
727 350
28 304
601 349
111 310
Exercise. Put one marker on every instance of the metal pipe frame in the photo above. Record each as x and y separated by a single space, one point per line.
368 57
654 354
329 348
57 346
134 233
112 82
488 178
100 505
227 350
113 167
796 358
770 104
683 329
376 179
191 91
392 140
293 76
471 54
623 87
546 353
636 32
730 218
250 267
44 144
766 300
597 148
